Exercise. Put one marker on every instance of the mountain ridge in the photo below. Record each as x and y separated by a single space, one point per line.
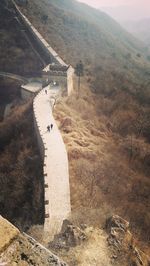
140 29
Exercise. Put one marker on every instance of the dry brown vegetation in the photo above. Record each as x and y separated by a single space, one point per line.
9 93
21 184
21 199
108 158
107 134
15 53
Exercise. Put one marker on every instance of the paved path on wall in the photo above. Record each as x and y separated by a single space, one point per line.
56 172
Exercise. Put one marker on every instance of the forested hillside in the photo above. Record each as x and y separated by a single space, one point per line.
106 129
20 168
16 56
107 133
140 29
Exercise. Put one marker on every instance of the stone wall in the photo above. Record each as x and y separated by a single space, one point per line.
25 94
18 248
49 53
70 74
55 164
60 79
52 148
37 130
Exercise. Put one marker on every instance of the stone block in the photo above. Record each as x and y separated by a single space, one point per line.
7 233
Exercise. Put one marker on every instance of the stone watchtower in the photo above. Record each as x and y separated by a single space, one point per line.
59 75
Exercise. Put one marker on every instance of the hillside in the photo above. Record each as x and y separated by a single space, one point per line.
106 130
15 53
20 179
17 248
88 34
140 29
20 169
107 135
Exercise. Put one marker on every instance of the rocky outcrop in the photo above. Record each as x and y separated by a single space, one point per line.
7 233
70 236
122 244
17 248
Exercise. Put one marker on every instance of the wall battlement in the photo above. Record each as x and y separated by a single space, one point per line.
49 54
51 145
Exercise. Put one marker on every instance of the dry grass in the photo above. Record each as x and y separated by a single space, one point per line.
93 251
103 177
20 169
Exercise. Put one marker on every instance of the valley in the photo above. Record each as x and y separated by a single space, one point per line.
106 129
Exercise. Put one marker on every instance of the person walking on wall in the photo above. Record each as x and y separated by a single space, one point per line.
45 91
48 128
51 126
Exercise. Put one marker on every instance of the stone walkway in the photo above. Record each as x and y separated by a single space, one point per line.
56 174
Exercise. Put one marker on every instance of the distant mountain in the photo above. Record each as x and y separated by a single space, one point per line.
132 12
119 13
140 29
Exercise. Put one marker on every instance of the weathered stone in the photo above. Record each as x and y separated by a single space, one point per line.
65 225
121 241
70 236
20 249
83 226
117 221
74 235
7 233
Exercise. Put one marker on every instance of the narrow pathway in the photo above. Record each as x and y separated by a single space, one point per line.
56 174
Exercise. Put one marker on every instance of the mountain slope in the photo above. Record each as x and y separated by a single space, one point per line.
19 178
78 31
140 29
107 134
15 54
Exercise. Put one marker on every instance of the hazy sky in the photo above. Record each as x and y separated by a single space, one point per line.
102 3
127 9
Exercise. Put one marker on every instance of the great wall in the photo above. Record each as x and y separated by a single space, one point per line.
52 148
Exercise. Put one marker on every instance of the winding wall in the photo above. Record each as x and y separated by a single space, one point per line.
52 147
13 76
53 152
50 53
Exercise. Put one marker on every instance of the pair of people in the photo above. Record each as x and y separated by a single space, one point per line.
49 127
